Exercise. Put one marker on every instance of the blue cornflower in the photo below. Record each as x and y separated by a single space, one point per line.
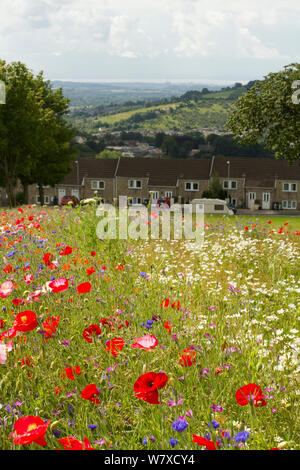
149 324
179 425
214 424
241 436
173 442
56 433
143 274
92 426
227 435
145 440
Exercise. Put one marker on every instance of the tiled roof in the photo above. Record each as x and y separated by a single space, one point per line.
257 169
91 168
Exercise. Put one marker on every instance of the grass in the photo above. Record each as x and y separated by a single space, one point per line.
238 312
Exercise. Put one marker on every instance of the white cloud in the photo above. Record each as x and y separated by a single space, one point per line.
33 30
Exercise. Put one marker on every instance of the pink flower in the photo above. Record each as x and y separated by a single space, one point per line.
145 342
59 284
6 288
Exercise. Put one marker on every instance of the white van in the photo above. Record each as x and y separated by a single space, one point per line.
212 206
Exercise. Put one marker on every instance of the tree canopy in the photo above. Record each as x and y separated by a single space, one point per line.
267 114
34 136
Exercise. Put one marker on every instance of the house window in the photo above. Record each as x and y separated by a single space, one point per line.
229 184
168 194
289 204
95 184
134 200
219 207
191 186
46 200
134 184
290 187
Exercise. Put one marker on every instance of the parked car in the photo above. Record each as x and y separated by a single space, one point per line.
162 201
69 199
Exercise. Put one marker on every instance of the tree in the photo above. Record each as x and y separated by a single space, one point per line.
34 136
267 114
215 190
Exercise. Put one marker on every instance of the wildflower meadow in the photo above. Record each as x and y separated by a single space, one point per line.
148 344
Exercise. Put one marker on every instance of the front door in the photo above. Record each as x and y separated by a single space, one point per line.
61 194
266 200
154 196
251 199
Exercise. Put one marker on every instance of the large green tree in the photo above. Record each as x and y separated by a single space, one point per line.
268 113
34 136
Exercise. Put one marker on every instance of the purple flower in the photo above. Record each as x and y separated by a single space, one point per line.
173 442
92 426
241 436
179 425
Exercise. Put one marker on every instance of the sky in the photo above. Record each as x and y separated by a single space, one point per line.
217 40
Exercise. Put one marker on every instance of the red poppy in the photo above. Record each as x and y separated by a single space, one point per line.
146 342
66 251
84 288
70 371
8 269
168 326
201 441
50 326
2 323
25 321
89 331
90 271
114 346
146 387
59 285
28 278
250 393
187 358
47 258
90 392
69 443
30 429
165 303
93 253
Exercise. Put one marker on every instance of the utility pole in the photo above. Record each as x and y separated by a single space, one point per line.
228 176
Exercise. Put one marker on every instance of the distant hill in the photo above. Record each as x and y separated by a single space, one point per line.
194 110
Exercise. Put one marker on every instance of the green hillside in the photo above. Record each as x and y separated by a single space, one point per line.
192 111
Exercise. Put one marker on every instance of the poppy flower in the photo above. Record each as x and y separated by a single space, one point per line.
84 288
90 392
30 429
70 371
114 346
25 321
8 269
89 331
90 270
250 393
145 342
47 258
168 326
69 443
6 288
50 325
59 285
93 253
66 251
147 385
201 441
28 278
187 358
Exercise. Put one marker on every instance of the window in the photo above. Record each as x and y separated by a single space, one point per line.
289 187
229 184
168 194
95 184
134 184
219 207
289 204
134 200
46 199
191 186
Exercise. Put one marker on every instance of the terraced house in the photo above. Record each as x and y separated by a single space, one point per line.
253 183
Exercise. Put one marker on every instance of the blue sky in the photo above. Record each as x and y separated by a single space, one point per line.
151 39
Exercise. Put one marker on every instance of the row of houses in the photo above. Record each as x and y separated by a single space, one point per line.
249 182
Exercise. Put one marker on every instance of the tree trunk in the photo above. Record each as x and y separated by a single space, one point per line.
41 193
26 193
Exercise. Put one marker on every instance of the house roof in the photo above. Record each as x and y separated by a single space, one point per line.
258 171
91 168
162 171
